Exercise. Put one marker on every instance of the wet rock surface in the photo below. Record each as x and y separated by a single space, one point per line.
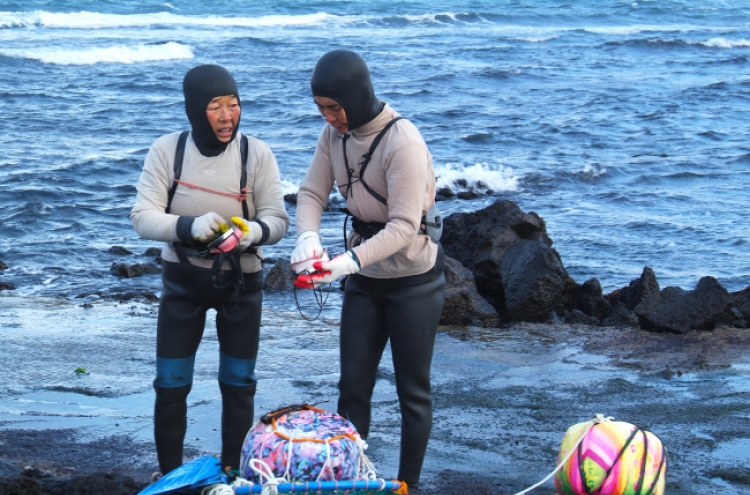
523 277
503 397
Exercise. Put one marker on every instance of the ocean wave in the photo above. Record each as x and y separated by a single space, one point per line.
631 30
288 187
537 39
725 43
96 20
443 18
592 171
480 177
113 54
657 41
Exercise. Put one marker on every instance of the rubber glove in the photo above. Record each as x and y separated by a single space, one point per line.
327 272
206 227
251 232
307 247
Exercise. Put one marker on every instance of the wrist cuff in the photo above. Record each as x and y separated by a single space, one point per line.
185 227
353 256
265 232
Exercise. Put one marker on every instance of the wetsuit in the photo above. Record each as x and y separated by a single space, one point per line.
398 294
190 285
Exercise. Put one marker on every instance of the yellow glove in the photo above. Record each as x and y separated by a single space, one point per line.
251 232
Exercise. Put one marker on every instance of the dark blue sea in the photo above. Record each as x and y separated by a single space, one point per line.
623 124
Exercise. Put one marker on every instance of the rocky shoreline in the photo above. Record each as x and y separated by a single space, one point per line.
501 268
35 462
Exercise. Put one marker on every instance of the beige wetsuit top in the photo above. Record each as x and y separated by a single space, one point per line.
265 199
400 171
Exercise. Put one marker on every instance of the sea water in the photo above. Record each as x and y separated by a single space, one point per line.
623 124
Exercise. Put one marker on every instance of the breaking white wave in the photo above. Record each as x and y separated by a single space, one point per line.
119 54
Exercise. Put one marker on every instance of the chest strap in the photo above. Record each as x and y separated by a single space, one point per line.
179 155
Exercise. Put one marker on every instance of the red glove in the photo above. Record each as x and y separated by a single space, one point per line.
327 272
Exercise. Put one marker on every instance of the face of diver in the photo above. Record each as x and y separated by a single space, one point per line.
333 113
223 113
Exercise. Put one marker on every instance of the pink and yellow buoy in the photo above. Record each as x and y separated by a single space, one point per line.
606 457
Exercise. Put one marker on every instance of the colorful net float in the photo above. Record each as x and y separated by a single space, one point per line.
607 457
302 443
302 446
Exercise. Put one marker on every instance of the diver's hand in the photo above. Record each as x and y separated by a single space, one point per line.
206 227
307 247
327 272
251 232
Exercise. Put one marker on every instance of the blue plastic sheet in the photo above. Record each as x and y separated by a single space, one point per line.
189 478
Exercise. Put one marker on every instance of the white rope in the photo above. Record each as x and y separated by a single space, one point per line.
598 418
365 467
327 464
238 482
217 489
289 456
269 489
264 472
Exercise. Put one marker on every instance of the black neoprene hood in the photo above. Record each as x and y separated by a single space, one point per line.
201 85
343 76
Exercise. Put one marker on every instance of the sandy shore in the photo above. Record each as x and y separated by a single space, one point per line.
503 399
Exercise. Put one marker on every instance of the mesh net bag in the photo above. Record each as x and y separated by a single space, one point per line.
304 444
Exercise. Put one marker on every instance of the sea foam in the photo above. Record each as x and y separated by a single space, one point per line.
121 54
95 20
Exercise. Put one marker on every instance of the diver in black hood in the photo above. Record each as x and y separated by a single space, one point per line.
395 287
207 201
343 76
201 85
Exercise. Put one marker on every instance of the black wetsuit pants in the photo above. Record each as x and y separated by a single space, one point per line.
408 317
186 296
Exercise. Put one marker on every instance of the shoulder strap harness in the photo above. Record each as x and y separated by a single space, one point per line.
220 279
368 229
178 157
368 156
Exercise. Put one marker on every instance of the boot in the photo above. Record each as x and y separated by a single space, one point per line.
170 425
236 421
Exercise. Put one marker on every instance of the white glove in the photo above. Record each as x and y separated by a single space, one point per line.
206 227
327 272
251 232
307 247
